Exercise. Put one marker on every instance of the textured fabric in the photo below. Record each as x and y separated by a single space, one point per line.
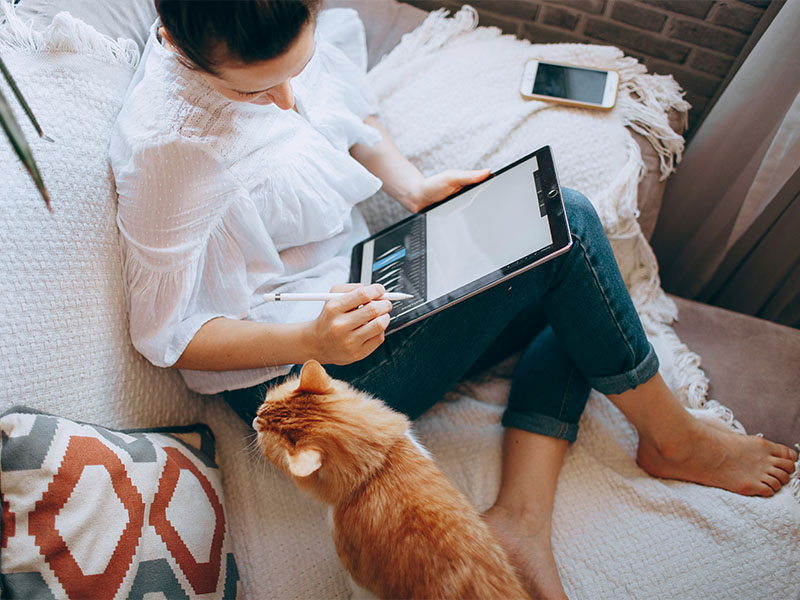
66 350
222 201
63 323
618 532
90 512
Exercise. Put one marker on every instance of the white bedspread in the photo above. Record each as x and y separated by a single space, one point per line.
618 533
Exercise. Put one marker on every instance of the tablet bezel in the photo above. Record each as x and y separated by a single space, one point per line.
550 195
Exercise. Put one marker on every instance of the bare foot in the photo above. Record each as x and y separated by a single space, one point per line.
747 465
528 548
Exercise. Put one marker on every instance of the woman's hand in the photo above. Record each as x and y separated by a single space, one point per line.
348 329
402 180
351 327
440 186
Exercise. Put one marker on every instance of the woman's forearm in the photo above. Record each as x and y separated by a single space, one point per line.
229 345
401 179
348 328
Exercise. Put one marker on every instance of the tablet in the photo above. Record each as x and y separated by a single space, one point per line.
479 237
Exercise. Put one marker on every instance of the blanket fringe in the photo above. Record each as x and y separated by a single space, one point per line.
657 311
715 413
64 34
646 100
620 223
434 32
657 314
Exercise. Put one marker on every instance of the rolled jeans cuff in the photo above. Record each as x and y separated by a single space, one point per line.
541 424
617 384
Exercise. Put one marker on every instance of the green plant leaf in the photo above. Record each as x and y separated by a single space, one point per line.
10 125
21 99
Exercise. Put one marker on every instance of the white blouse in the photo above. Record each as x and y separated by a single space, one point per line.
222 201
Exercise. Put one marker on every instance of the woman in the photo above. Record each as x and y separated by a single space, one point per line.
245 141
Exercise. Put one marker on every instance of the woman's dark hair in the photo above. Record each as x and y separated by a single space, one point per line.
210 31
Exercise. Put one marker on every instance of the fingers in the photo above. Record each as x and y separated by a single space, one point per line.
345 287
369 313
370 333
441 185
343 324
463 178
358 297
375 326
354 324
360 342
374 333
371 345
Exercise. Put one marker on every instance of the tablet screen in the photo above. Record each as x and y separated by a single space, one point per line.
466 243
484 229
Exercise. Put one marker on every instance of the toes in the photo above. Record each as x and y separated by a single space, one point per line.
782 451
772 482
779 474
754 488
764 489
784 464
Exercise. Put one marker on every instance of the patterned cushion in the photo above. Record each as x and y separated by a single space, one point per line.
88 512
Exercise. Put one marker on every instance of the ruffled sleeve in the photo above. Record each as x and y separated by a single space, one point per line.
180 217
308 193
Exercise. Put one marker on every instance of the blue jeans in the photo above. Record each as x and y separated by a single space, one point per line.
572 317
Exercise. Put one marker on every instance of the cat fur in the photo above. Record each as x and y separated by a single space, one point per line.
399 526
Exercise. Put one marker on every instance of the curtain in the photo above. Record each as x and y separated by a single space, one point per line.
729 230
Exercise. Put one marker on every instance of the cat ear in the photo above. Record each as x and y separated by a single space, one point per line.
304 462
314 379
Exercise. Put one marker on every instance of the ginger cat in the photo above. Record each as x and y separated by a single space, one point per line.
400 528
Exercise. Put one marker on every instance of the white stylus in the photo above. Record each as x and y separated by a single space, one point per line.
290 297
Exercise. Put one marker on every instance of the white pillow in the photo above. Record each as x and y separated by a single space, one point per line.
117 18
64 323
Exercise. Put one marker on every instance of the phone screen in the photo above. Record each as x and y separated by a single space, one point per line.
571 83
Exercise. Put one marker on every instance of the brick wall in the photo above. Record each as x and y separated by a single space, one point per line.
696 41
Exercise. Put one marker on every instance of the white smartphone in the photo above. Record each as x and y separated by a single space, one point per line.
568 84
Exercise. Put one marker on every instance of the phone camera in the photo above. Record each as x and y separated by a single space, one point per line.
552 193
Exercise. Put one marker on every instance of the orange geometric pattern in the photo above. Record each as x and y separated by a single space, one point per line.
82 452
86 509
202 576
8 526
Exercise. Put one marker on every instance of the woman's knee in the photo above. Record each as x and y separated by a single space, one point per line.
582 216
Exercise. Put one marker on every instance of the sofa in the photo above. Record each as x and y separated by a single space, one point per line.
65 352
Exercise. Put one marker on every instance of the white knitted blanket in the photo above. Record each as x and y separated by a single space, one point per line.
64 348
